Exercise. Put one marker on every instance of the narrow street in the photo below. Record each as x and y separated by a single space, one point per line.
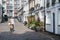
21 33
40 15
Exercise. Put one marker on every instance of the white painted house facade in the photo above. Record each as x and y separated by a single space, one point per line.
0 12
17 7
11 7
39 11
4 5
26 9
52 11
8 7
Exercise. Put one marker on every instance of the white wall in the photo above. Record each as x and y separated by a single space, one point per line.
26 9
0 1
41 15
58 21
49 25
0 12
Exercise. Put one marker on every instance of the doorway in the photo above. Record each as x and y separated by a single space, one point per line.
53 22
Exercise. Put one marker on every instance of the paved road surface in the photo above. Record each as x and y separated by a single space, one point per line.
21 33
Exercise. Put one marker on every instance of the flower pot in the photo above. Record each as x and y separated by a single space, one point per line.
42 29
35 28
38 28
31 27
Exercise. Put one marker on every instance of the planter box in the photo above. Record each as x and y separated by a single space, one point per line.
38 29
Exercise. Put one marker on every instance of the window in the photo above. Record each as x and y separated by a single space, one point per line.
9 7
37 6
48 3
53 2
3 2
58 17
59 9
59 1
48 18
11 10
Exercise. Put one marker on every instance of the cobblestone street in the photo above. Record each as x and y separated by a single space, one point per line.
21 33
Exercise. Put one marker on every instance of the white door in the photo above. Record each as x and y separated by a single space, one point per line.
49 27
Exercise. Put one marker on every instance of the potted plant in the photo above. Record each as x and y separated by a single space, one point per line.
38 26
32 24
42 25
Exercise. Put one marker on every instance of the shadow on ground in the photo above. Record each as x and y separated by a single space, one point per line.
24 36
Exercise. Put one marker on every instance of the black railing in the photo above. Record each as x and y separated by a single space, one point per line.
20 9
41 8
32 9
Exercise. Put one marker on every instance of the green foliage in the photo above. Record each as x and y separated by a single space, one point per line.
36 23
41 23
32 23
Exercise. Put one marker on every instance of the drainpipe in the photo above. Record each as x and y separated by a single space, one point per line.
2 16
44 17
